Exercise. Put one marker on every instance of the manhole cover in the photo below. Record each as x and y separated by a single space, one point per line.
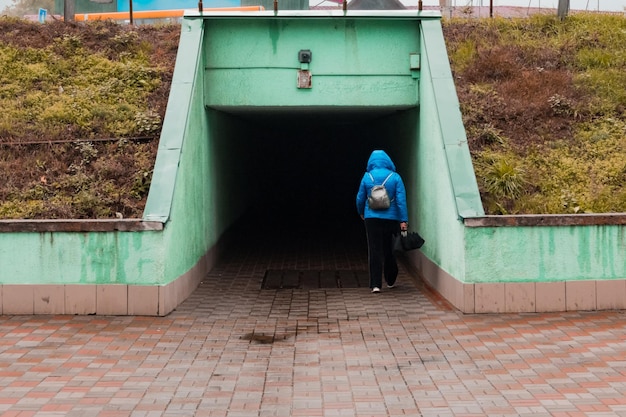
276 279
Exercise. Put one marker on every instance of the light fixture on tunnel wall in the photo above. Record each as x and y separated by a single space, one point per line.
305 56
304 75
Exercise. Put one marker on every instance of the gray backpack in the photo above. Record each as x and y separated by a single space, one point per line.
378 198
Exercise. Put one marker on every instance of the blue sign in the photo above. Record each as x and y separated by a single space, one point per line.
124 6
42 15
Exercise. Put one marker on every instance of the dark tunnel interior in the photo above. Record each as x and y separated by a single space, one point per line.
307 166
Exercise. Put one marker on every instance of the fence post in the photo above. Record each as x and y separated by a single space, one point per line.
563 9
68 10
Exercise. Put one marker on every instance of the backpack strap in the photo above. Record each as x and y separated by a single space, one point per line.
388 176
374 182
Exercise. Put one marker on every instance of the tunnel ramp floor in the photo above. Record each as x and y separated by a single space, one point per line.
277 279
314 255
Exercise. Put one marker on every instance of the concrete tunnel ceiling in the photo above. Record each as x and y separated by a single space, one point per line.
321 115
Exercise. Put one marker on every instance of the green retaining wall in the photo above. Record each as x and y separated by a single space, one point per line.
442 168
90 257
180 195
135 266
545 253
484 264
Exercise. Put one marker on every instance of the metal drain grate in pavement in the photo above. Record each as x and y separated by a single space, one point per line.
276 279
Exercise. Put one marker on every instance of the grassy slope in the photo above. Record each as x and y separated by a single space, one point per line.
66 90
544 105
543 101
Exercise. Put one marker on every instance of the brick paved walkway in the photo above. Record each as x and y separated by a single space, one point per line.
234 350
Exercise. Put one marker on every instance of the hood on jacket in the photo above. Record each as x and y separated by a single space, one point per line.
380 159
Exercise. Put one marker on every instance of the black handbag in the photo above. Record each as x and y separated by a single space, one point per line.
406 241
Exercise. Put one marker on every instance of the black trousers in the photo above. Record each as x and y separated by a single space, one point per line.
382 261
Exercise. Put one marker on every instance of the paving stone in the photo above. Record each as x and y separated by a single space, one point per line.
235 349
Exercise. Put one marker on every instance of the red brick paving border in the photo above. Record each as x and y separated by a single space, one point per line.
318 352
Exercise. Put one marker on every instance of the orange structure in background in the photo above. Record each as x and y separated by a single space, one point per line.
156 14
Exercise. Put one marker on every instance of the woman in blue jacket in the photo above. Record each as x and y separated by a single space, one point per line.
382 224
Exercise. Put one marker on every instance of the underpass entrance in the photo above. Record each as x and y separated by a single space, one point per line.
295 103
302 173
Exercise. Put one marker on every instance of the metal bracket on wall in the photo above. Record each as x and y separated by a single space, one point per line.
304 79
414 62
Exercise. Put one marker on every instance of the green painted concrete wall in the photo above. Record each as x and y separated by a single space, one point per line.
190 229
448 197
199 184
254 62
194 167
442 167
81 258
544 254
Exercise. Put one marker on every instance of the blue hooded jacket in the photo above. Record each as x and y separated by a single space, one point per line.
380 166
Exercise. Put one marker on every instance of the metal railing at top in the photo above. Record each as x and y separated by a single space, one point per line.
519 8
475 9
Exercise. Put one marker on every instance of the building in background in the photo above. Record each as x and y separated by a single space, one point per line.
105 6
282 4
